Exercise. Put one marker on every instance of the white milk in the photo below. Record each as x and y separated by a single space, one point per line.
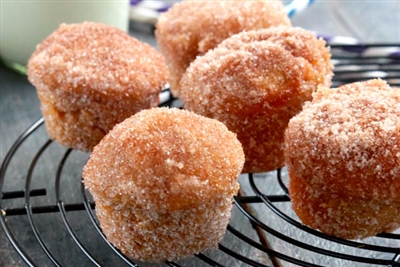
25 23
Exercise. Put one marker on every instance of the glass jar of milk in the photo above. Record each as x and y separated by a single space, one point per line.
25 23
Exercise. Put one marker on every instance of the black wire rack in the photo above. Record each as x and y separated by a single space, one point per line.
274 236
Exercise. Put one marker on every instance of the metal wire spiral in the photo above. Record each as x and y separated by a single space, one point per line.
349 69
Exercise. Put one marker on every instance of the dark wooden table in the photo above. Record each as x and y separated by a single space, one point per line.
369 21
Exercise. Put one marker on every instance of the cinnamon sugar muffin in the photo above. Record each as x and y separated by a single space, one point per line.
163 184
254 82
343 157
191 28
89 77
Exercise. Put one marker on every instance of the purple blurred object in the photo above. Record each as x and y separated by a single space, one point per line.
148 11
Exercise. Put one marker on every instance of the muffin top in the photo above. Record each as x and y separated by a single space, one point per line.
191 28
165 159
92 58
349 138
257 71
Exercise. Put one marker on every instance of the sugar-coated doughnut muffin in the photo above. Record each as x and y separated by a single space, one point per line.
254 82
89 77
343 157
164 184
191 28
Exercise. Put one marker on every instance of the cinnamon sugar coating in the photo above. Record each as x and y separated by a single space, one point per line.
343 156
191 28
89 77
254 82
163 184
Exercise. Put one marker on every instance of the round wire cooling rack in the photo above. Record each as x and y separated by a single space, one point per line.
49 218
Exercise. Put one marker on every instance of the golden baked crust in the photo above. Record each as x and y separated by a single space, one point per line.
191 28
89 77
254 82
161 165
343 156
